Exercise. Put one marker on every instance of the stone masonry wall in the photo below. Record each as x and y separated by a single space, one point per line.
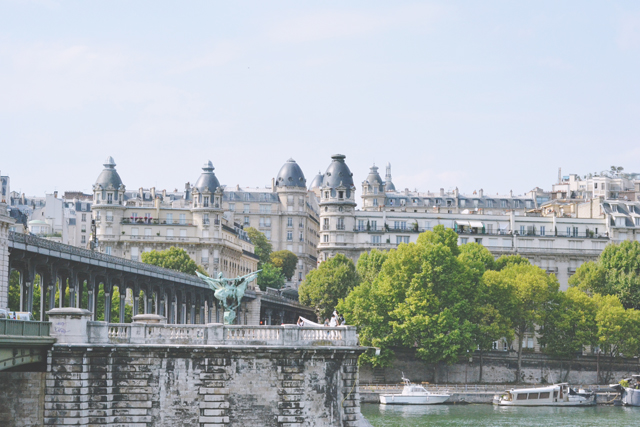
500 367
21 399
201 386
4 260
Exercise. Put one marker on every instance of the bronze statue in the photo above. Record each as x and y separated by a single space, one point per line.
229 292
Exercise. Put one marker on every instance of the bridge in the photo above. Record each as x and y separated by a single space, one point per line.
81 278
23 343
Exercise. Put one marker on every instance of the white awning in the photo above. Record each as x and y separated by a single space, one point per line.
464 223
476 224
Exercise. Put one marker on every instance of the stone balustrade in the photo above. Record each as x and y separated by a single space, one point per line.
74 326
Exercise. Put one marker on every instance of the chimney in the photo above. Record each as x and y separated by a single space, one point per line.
456 192
187 188
153 193
510 193
55 194
442 192
480 193
164 194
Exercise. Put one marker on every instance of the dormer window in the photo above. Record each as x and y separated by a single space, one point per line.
340 194
326 194
206 201
109 198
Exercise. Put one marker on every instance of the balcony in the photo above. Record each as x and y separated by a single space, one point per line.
340 227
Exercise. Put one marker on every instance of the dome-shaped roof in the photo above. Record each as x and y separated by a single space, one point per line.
374 177
291 175
317 181
109 175
338 173
207 179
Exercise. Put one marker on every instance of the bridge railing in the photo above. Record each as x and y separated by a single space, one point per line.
218 334
23 328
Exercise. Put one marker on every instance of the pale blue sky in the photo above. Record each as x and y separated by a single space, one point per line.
474 94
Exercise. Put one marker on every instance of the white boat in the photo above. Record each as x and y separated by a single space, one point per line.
630 395
413 394
553 395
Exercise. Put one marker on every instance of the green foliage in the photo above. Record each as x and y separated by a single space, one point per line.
476 257
370 263
422 298
506 260
263 247
530 291
270 276
173 258
14 291
286 261
617 272
568 324
447 237
326 285
618 328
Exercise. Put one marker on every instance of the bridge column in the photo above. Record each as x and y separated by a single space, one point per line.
107 302
268 312
73 288
193 314
202 319
5 270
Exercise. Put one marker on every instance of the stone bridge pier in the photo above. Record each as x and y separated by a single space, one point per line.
213 375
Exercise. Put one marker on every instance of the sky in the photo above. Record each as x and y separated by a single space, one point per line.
494 94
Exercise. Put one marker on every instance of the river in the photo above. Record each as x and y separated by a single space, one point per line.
489 416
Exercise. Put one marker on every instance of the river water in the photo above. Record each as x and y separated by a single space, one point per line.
489 416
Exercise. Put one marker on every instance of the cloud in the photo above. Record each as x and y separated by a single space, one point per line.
344 24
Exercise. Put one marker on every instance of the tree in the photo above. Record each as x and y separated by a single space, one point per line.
262 246
286 261
506 260
326 285
370 263
477 257
531 291
422 299
270 276
173 258
618 330
617 272
568 324
14 290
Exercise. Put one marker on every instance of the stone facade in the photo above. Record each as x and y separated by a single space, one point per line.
5 222
201 386
22 399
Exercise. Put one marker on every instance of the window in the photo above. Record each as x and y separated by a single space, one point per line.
542 230
326 194
375 240
637 221
246 220
544 395
206 202
183 233
84 217
574 232
374 225
489 203
134 231
533 396
289 236
247 196
325 238
183 219
340 194
522 396
402 239
169 218
107 250
362 225
300 276
83 239
400 225
109 216
340 224
246 208
205 219
503 203
205 234
568 231
205 256
83 228
134 254
169 232
265 221
147 232
301 237
522 230
265 209
464 240
290 248
232 207
109 198
267 234
289 222
489 228
340 238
